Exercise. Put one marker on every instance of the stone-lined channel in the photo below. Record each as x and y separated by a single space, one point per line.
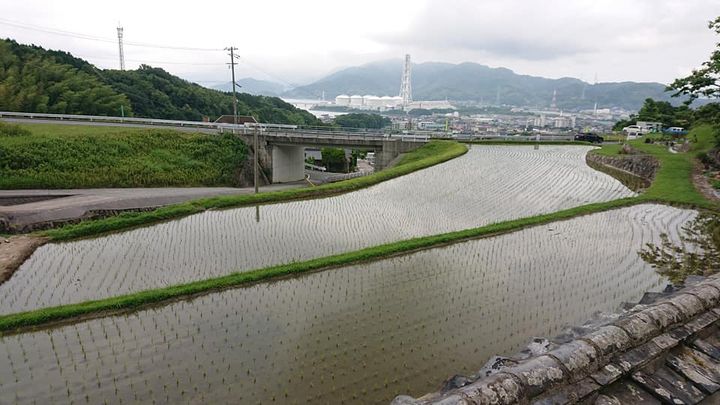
358 334
488 184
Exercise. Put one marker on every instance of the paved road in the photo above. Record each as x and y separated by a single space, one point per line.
27 209
107 124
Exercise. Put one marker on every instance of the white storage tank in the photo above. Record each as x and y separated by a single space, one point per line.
342 100
373 102
356 100
395 101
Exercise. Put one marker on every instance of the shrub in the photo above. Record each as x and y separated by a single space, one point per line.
12 130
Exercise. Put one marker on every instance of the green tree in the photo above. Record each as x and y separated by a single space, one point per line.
705 81
361 120
33 79
334 159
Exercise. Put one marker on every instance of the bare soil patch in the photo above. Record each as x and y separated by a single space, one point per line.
13 252
702 184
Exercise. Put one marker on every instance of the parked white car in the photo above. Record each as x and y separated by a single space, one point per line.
633 131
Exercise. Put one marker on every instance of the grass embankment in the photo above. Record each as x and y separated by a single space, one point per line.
673 180
428 155
672 185
526 141
80 156
143 298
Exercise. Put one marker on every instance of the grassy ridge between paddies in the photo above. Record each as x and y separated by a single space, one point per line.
51 156
430 154
17 322
665 189
526 141
673 180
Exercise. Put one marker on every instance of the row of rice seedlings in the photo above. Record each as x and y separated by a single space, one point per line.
489 184
359 334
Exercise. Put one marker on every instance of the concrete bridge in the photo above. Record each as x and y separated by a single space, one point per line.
281 151
281 147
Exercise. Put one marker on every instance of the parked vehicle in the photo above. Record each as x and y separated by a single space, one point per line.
675 131
593 138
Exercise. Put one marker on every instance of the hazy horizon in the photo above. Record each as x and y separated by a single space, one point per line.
298 43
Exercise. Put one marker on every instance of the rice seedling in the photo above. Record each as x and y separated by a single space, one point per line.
489 184
391 325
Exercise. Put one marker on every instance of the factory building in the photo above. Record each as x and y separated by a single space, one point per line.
368 102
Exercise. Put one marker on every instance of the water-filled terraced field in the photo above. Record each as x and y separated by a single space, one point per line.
359 334
489 184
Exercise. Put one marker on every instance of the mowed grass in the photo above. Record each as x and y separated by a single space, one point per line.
672 185
673 180
80 156
428 155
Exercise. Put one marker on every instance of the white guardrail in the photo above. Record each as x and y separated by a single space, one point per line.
247 128
273 129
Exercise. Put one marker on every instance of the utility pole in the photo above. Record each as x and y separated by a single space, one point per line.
255 166
232 68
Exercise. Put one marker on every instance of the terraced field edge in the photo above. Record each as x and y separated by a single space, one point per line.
671 186
673 181
528 141
433 153
13 322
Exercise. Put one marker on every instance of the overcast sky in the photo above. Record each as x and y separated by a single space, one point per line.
300 41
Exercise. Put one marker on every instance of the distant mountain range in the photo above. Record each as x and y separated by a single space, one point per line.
254 87
475 82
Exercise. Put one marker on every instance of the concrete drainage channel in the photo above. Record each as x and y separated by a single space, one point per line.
666 352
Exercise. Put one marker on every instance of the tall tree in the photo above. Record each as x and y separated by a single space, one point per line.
705 81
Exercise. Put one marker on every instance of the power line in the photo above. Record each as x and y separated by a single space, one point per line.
274 77
150 61
87 37
78 35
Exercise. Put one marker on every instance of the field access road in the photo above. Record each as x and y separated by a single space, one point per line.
26 210
107 124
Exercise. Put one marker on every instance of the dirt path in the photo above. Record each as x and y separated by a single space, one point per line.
13 252
702 184
30 210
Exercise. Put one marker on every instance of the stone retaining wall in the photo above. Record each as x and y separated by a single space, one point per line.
618 363
643 166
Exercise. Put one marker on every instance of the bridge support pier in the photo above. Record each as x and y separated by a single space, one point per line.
390 150
288 163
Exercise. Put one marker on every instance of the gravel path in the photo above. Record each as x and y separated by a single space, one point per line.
26 210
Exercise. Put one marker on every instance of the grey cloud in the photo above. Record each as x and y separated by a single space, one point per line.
547 30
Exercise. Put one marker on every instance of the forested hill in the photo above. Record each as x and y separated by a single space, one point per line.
33 79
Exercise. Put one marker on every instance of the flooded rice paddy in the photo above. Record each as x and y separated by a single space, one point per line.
488 184
358 334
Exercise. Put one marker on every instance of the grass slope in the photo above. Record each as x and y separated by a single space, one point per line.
673 181
69 156
430 154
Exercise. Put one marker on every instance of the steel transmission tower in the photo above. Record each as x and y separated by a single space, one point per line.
406 86
120 46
